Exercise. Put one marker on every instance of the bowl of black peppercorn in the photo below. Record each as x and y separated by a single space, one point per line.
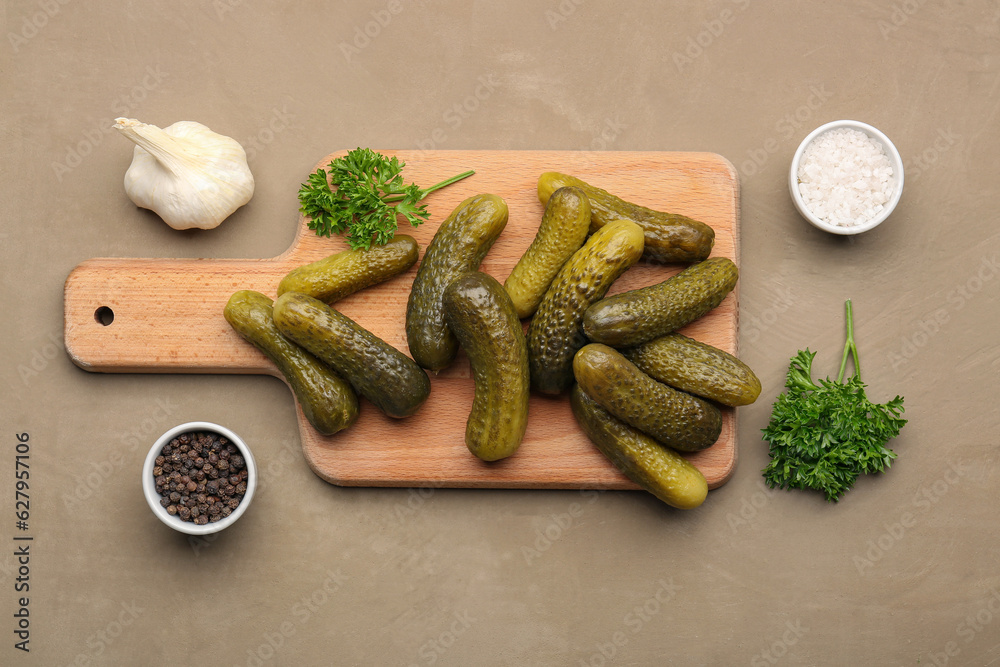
199 478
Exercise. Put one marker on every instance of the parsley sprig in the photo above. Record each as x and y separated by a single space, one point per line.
823 436
368 197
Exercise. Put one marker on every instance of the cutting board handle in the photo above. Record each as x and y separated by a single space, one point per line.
162 315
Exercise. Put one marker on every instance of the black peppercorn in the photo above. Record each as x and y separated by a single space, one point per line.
200 477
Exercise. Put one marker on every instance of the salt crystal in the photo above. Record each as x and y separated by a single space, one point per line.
844 177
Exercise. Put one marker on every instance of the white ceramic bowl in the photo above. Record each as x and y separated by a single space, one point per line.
897 173
153 498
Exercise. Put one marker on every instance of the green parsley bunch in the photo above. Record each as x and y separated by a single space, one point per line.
362 196
823 436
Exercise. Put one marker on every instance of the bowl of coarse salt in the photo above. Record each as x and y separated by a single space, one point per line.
846 177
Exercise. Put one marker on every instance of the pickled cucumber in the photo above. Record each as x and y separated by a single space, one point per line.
676 419
376 370
555 332
657 469
458 247
697 368
632 318
480 314
327 400
563 230
332 278
669 237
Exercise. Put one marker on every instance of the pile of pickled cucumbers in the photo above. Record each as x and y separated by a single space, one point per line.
640 391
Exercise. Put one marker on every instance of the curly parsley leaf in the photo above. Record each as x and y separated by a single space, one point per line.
362 196
823 436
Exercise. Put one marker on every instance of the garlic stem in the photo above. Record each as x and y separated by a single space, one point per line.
169 152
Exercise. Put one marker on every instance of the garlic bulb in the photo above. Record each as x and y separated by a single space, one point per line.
185 173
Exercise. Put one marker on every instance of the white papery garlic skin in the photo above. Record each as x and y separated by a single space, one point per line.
187 174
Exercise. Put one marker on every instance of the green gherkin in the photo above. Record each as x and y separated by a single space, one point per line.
458 247
632 318
327 400
697 368
562 231
657 469
556 332
377 370
332 278
676 419
481 315
669 237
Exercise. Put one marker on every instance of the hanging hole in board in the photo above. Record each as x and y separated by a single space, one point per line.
104 315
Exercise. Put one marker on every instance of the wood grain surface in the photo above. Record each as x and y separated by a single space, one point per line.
167 318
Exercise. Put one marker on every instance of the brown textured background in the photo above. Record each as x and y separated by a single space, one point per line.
903 571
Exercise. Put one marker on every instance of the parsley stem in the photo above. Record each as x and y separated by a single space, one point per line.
393 198
453 179
849 346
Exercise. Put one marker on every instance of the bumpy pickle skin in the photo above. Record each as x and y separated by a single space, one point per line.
697 368
327 400
458 247
669 237
556 332
337 276
564 228
676 419
657 469
376 370
480 314
640 315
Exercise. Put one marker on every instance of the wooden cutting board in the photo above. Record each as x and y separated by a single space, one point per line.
167 318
